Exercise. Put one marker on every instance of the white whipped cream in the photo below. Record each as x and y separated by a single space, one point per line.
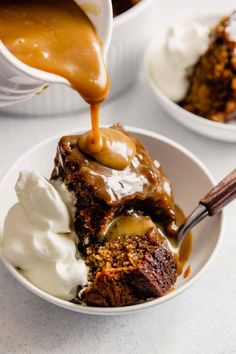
37 238
175 53
68 197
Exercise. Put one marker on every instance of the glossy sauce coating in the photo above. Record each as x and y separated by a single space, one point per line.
140 179
111 185
116 150
140 225
186 247
187 272
56 36
131 225
104 193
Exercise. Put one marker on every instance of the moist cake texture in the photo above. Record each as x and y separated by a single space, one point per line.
128 262
101 193
212 92
129 270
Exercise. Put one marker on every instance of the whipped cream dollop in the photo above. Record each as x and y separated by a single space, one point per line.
173 56
37 238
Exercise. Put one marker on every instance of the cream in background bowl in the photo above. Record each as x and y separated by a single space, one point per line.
190 179
130 34
203 126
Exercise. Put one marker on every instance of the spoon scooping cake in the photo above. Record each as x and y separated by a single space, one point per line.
101 193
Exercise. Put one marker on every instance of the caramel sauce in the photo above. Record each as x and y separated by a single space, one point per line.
56 36
111 148
121 226
140 225
179 264
94 143
187 272
186 246
141 184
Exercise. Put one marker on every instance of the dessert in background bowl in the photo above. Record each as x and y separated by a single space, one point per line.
45 233
191 68
124 59
212 81
120 6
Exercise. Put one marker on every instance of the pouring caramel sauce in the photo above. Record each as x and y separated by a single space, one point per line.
117 148
56 36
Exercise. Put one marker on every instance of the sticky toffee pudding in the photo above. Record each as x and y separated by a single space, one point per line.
123 210
125 221
212 90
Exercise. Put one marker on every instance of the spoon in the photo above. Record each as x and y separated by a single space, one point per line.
213 202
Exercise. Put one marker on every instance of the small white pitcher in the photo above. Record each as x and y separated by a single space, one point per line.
19 82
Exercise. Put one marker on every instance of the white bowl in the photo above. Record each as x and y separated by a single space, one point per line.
219 131
190 180
130 32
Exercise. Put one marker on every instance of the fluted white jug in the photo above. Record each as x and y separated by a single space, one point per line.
19 82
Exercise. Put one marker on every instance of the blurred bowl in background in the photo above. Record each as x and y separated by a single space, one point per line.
201 12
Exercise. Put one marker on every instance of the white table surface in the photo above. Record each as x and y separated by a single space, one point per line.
200 321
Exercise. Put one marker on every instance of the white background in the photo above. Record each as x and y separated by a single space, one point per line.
200 321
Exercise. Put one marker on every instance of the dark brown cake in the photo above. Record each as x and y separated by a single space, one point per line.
101 193
129 270
120 6
212 92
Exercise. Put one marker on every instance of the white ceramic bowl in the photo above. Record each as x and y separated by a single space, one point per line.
219 131
190 180
130 32
198 11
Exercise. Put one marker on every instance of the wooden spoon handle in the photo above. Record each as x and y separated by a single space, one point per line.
221 195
